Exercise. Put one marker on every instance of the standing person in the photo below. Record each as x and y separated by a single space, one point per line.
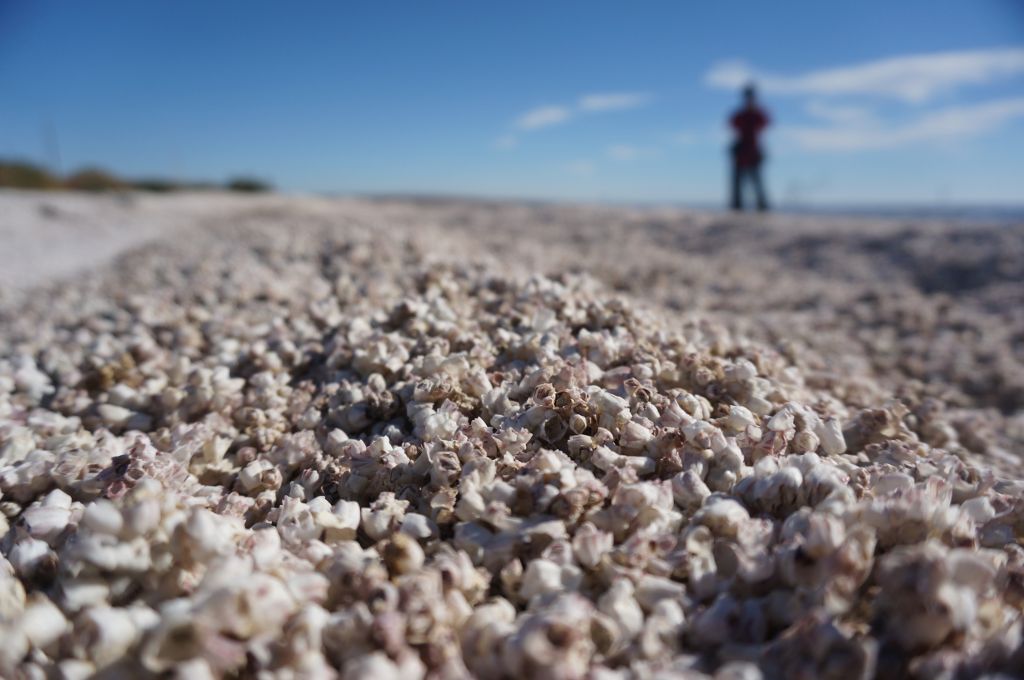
747 123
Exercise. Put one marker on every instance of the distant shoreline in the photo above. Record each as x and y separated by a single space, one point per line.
995 213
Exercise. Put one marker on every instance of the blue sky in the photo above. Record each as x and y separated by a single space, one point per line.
915 101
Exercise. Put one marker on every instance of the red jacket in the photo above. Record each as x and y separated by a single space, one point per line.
748 124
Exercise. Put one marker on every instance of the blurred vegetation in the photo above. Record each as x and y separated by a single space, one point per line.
93 179
17 174
155 185
248 184
22 175
162 185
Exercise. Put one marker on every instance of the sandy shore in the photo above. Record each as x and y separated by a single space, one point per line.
435 438
49 236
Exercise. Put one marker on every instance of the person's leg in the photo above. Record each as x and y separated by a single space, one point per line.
737 178
755 177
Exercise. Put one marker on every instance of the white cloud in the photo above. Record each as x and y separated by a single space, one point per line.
940 125
912 78
543 116
684 138
613 101
546 116
506 142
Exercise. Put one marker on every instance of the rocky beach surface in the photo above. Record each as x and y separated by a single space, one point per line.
301 437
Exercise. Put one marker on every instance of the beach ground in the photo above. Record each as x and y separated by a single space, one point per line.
875 306
409 438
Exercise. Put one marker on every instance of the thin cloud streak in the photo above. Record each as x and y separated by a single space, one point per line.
543 116
947 124
613 101
547 116
911 78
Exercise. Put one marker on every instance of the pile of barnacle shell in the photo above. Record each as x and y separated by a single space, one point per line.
332 452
